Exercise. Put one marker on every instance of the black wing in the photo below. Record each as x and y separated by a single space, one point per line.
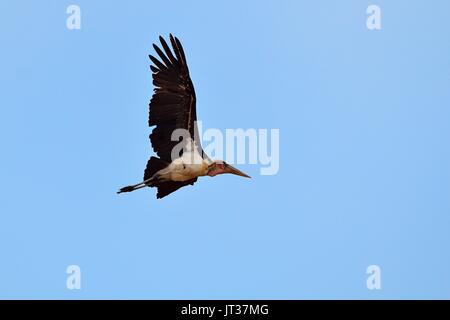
173 103
166 188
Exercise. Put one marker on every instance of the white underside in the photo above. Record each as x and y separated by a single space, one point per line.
190 165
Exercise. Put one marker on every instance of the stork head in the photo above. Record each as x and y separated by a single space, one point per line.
219 167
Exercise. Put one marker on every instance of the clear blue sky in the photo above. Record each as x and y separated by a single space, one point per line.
364 151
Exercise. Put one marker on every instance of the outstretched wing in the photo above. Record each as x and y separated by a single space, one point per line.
173 103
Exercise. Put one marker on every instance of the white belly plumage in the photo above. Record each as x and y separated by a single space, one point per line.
190 165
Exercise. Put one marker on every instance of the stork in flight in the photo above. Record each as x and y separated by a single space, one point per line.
173 107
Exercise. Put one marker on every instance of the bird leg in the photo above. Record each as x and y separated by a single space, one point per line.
145 183
134 186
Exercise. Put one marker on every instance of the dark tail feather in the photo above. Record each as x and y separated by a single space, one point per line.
153 166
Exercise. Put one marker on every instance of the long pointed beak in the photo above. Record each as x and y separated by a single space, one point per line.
233 170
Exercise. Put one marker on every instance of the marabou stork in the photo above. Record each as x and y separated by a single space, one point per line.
172 107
